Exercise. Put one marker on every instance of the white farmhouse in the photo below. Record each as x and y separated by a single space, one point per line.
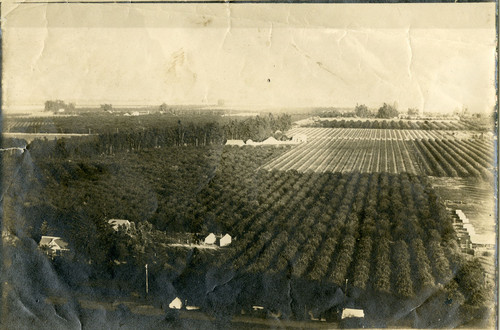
55 246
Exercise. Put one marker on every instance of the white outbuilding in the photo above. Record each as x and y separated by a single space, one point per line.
210 239
352 313
235 143
175 304
225 240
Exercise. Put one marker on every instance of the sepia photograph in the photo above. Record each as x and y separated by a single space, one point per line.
248 165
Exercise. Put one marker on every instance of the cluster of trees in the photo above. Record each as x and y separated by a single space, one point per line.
387 111
55 106
362 110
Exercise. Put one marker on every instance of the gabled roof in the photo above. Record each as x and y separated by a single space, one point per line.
270 140
175 304
54 243
225 240
210 239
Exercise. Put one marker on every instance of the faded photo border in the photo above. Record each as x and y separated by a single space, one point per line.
223 56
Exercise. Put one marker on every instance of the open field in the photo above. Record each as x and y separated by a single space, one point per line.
475 199
395 151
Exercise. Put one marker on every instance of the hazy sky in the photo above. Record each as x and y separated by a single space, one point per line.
430 56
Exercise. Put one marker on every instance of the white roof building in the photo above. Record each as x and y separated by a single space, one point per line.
175 304
225 240
270 140
352 312
55 245
210 239
235 143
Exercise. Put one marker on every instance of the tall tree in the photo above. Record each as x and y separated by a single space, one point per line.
387 111
361 110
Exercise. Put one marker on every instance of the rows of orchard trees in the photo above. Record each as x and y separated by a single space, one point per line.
463 158
327 216
387 236
297 236
394 124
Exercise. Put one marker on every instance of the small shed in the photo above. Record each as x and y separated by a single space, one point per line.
235 143
210 239
175 304
352 313
225 240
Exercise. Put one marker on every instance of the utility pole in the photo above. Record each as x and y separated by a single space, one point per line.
147 284
345 292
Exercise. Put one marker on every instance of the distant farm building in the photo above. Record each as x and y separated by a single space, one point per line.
210 239
55 246
175 304
225 240
220 240
235 143
270 141
299 138
117 223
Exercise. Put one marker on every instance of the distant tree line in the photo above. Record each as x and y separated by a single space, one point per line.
57 105
179 134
